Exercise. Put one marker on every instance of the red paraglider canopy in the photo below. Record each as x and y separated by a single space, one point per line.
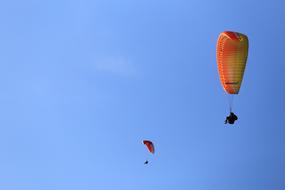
149 146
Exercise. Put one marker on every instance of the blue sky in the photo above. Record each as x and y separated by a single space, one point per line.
84 82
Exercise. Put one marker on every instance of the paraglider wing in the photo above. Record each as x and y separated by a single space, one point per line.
232 51
149 146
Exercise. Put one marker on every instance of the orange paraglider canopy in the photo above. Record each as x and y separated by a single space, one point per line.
149 146
232 50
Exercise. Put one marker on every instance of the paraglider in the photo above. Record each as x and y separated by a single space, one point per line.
232 51
150 148
231 118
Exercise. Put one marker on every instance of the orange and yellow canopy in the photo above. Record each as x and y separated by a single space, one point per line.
232 50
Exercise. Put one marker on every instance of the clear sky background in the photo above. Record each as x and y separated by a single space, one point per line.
82 83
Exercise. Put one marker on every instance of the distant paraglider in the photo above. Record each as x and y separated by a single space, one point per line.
231 118
149 146
232 51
